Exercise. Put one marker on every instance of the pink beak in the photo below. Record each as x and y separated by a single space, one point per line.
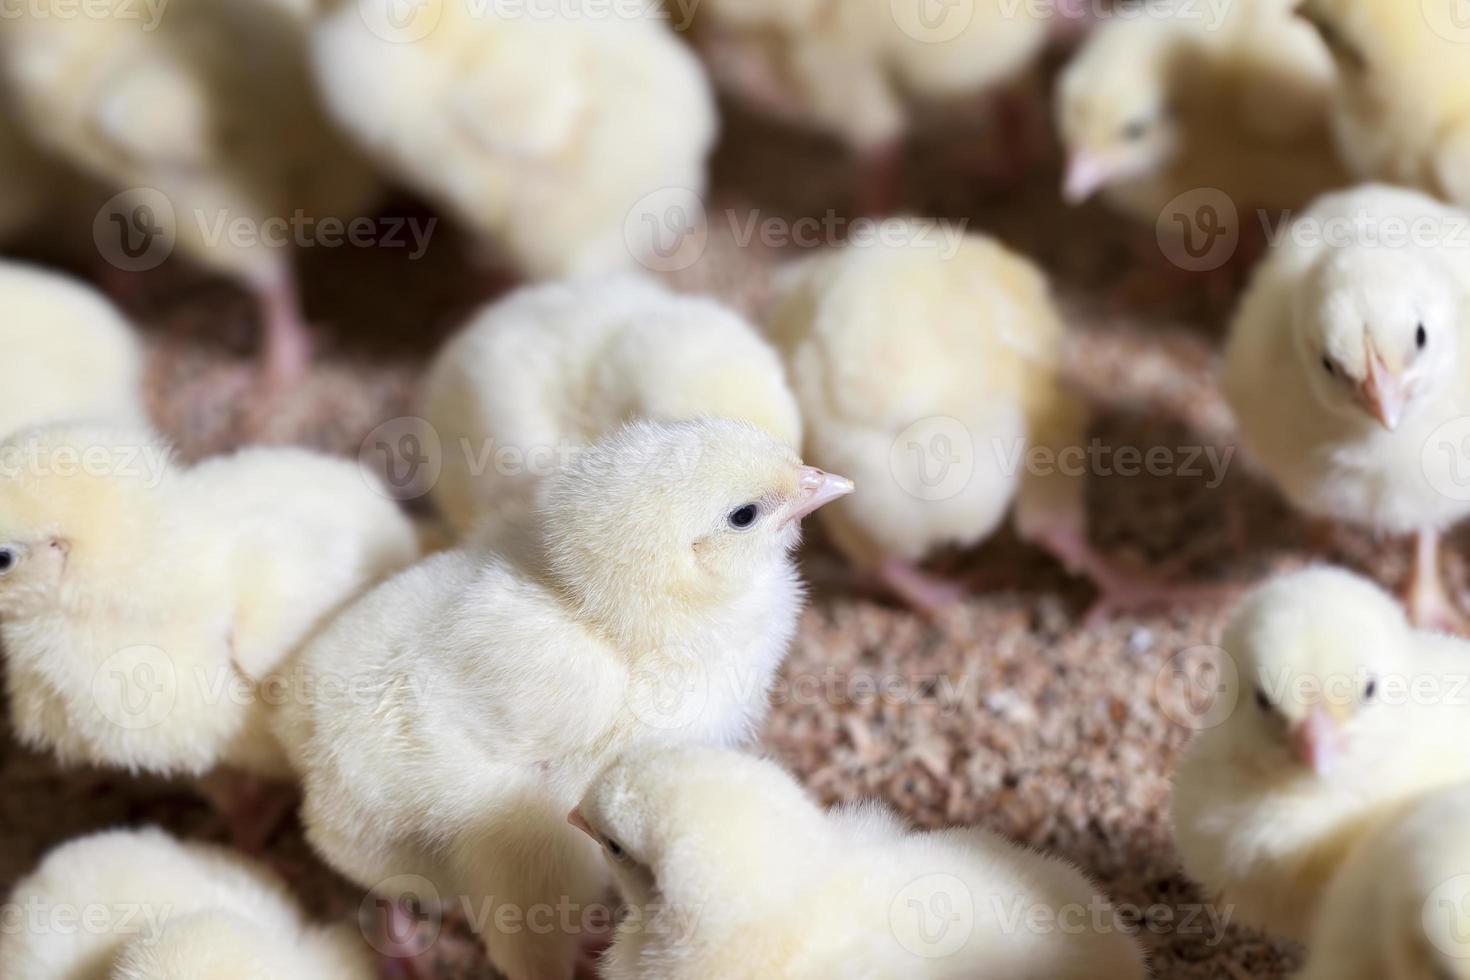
1086 175
1315 741
1383 393
576 819
819 488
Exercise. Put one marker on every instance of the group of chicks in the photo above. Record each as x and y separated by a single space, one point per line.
552 711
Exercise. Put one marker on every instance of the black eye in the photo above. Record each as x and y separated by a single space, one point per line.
1422 337
1370 690
7 560
1262 701
743 517
1327 365
615 849
1136 130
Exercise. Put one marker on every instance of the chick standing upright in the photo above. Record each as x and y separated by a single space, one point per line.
204 120
543 128
68 353
1335 713
1347 356
657 604
729 871
1401 96
542 373
143 606
173 911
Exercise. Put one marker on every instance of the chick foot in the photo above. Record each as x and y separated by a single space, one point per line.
924 593
1428 601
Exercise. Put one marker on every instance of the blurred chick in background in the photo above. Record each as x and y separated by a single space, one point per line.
1187 96
970 347
211 106
1339 713
143 606
541 130
554 367
68 353
1346 356
1397 911
1401 95
860 68
731 871
173 911
659 604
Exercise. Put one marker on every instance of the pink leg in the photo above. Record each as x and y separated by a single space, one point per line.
881 172
918 589
1428 600
286 341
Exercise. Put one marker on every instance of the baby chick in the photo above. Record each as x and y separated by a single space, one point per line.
858 68
143 606
730 871
1344 359
152 908
487 690
1401 96
1339 712
200 112
543 129
68 352
542 373
1162 104
1396 910
941 439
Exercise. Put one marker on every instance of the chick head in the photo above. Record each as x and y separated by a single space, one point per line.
692 825
688 511
1377 331
1114 109
1311 650
76 502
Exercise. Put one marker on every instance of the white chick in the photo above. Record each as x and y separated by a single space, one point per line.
859 68
1180 98
730 871
143 607
1334 712
543 129
208 103
144 906
940 439
542 373
68 352
1396 911
1401 96
1345 357
482 692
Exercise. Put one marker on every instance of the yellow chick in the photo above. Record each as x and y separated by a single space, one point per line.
144 607
544 130
967 419
485 691
201 113
1346 357
729 871
1396 910
70 353
1186 97
1401 96
143 906
537 376
859 68
1332 713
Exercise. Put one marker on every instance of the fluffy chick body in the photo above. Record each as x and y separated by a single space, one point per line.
177 912
552 368
1327 735
730 871
542 132
144 604
70 352
487 689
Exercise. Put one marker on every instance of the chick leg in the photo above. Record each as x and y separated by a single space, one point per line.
1428 600
923 592
286 342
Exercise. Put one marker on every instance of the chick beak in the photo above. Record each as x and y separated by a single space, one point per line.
1383 393
1086 175
818 488
1315 742
576 819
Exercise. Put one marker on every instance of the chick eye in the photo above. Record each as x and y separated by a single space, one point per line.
1136 130
1329 367
8 560
1371 689
616 849
743 517
1421 338
1262 700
